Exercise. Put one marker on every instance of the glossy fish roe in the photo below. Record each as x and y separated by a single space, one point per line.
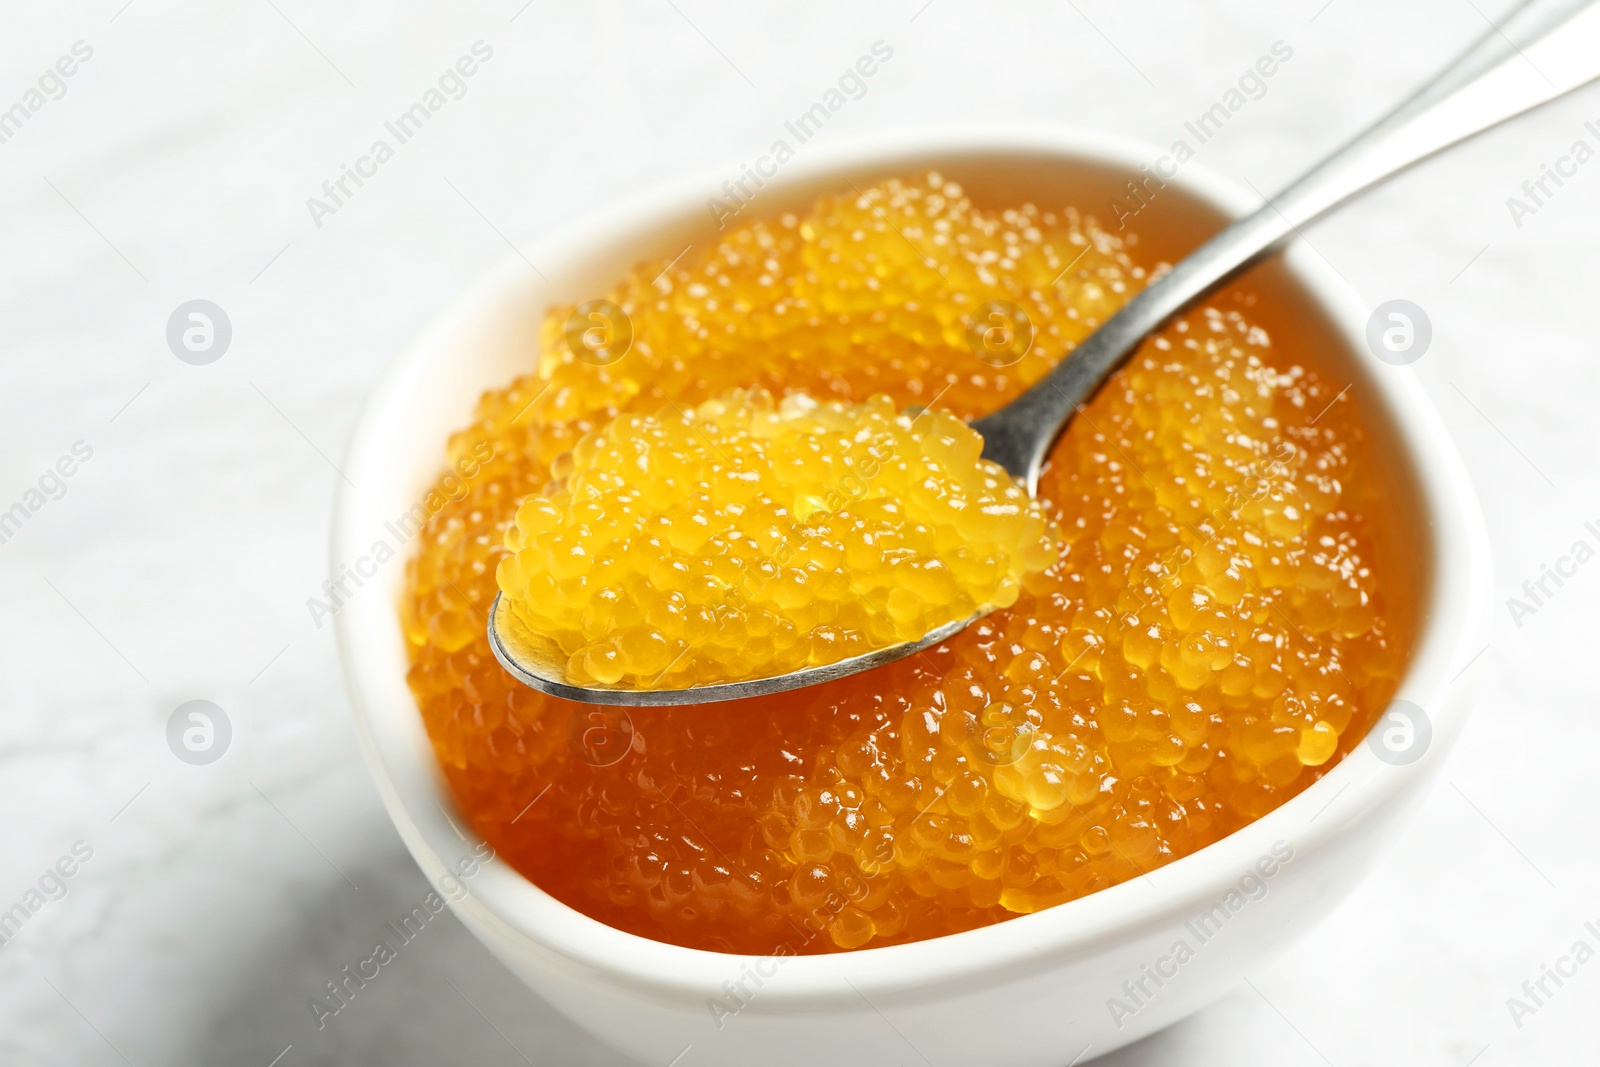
1211 636
743 538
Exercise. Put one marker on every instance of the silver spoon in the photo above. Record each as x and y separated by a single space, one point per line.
1458 104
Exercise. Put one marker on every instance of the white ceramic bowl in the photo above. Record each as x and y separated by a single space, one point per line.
1076 980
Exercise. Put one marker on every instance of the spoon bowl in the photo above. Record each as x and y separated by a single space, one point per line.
537 663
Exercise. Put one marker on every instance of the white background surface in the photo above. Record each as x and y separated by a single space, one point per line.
178 564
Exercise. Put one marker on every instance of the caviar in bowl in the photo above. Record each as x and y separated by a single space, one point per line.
1036 988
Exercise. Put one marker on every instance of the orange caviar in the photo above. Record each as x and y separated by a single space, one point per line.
742 539
1210 638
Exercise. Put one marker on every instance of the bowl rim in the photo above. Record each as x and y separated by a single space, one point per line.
1452 627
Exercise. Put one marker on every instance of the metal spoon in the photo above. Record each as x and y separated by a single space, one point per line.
1475 93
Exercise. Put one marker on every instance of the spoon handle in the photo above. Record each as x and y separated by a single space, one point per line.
1491 82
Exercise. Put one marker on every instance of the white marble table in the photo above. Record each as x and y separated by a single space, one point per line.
176 563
